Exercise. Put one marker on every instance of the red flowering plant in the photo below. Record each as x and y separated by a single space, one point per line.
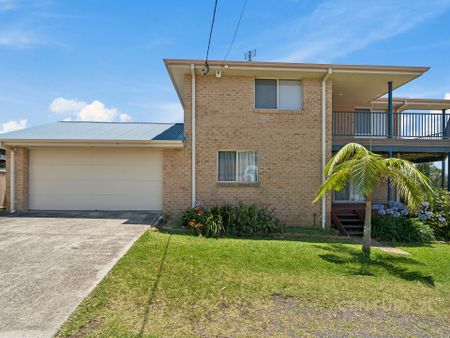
194 219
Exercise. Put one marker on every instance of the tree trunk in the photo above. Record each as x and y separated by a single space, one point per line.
367 225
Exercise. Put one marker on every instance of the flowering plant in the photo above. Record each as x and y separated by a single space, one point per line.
437 214
395 209
227 219
193 218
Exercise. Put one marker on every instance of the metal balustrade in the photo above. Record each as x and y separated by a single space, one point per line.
405 125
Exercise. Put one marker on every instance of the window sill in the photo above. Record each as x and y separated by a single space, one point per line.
237 184
277 111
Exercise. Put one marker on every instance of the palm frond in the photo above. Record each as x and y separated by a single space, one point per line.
366 174
336 181
366 170
347 152
412 184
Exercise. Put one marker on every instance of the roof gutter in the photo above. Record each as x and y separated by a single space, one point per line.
324 141
90 143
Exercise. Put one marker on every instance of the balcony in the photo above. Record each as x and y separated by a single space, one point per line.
406 129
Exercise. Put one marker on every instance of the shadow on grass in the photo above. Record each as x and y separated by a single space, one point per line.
365 265
152 293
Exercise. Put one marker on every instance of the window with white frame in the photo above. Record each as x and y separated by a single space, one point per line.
278 94
237 166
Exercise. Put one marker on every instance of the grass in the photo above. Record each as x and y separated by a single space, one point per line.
179 285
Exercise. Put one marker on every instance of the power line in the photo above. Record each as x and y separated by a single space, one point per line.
211 31
236 30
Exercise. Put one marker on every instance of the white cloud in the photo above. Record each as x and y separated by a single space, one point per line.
96 111
339 27
13 125
62 105
124 118
18 38
447 96
81 111
7 5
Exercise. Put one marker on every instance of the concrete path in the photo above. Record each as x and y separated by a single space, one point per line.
382 247
49 265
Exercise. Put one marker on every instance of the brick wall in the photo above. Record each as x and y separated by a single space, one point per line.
288 146
21 177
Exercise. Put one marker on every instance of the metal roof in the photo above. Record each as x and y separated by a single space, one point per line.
352 84
99 131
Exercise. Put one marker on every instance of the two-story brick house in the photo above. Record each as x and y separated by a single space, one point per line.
257 132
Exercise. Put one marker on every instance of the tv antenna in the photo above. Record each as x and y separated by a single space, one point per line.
250 55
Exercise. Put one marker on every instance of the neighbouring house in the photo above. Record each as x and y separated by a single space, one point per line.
2 160
2 177
257 132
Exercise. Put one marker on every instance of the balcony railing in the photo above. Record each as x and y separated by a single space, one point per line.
406 125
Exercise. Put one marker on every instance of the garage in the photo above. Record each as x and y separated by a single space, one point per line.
95 179
89 165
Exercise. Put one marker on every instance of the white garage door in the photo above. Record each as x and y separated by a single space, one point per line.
95 179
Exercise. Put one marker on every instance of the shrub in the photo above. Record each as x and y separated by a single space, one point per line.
437 214
232 220
387 228
401 229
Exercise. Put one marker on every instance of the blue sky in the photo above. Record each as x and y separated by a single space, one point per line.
103 59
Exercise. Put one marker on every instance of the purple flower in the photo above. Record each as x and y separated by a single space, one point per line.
442 219
381 212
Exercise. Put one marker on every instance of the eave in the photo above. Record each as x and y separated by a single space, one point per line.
90 143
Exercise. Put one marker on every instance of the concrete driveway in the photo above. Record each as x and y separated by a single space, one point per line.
48 265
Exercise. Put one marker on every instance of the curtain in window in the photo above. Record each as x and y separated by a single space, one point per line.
227 166
290 94
248 169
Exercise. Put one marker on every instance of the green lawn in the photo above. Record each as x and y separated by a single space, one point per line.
179 285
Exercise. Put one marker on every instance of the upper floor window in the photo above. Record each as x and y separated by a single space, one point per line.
278 94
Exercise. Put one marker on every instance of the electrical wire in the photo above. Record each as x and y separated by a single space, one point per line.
236 30
211 31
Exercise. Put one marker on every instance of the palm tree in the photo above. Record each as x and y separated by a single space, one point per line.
365 170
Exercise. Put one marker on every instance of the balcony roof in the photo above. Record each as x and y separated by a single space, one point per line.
352 84
403 103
